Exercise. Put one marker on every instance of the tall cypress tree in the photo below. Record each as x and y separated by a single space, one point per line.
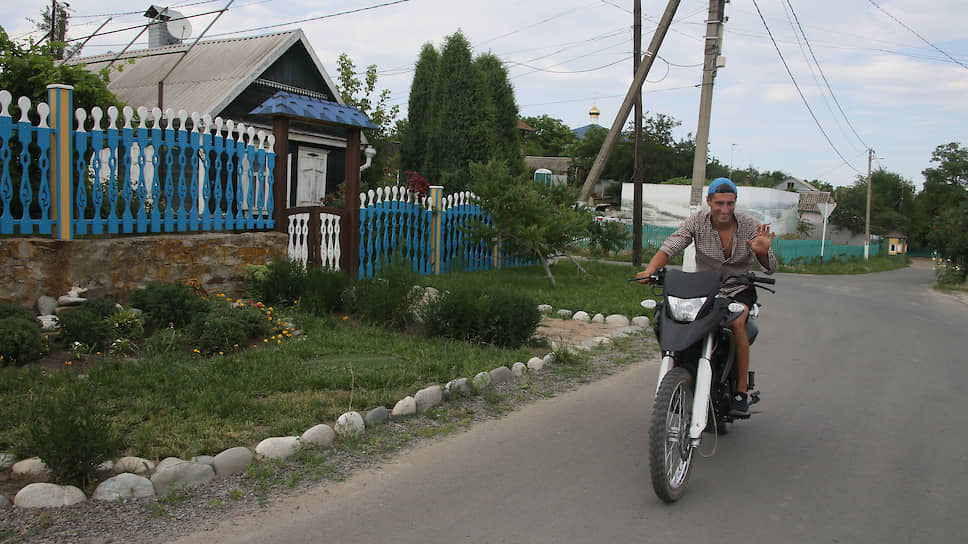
504 135
456 138
413 144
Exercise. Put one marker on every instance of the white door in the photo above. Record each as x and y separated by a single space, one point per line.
311 176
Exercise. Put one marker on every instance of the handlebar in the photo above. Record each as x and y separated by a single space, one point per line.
748 278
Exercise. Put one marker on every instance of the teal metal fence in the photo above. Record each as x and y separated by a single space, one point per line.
786 250
791 250
427 232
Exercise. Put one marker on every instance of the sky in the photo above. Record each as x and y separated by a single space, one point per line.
850 75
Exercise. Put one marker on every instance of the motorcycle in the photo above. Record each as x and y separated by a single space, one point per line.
697 376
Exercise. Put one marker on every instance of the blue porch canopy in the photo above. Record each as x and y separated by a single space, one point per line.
313 109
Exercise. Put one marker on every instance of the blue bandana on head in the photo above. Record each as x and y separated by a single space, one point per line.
722 185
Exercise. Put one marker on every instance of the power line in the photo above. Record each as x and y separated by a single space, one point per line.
541 22
795 84
822 75
537 69
142 25
347 12
923 39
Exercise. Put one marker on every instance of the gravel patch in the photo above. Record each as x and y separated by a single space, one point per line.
162 519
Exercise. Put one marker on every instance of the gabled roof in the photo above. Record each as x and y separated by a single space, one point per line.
808 186
210 77
558 165
809 200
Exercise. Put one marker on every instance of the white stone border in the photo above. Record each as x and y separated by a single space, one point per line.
137 477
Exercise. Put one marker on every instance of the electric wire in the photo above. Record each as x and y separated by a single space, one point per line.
331 15
541 22
802 97
923 39
824 77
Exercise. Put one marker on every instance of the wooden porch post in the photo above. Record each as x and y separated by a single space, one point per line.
60 98
351 226
280 174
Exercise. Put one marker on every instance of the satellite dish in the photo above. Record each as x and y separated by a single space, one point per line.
178 26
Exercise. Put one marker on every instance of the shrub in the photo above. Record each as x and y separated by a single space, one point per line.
126 324
283 282
454 315
255 278
67 430
510 319
499 317
165 303
21 340
166 340
609 236
323 291
226 326
100 307
86 327
14 310
387 300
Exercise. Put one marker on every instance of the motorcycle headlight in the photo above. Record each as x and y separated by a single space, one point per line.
685 309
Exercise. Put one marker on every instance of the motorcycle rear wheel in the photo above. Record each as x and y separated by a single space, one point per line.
670 450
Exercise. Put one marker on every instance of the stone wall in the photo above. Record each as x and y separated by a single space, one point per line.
115 267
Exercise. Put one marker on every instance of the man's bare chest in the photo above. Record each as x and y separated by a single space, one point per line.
726 238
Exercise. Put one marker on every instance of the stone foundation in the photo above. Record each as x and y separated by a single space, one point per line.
115 267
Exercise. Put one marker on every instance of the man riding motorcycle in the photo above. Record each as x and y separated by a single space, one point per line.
719 235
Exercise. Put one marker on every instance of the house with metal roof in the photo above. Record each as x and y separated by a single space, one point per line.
233 78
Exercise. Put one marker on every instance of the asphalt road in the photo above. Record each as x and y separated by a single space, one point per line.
861 437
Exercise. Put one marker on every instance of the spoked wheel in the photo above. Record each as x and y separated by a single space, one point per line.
670 452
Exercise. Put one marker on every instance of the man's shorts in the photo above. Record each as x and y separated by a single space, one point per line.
746 296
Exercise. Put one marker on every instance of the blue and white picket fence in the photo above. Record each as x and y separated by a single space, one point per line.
425 231
155 173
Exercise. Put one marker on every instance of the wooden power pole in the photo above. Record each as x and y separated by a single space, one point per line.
637 176
623 114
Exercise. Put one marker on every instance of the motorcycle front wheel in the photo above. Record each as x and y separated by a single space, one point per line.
670 451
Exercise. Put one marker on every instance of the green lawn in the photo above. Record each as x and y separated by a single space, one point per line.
183 404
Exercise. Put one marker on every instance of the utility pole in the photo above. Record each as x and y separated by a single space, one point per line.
623 113
713 44
637 176
867 223
714 40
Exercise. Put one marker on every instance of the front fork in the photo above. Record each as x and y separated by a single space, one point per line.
700 399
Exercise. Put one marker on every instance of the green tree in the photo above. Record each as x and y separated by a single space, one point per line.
25 70
414 134
948 235
952 169
945 187
528 218
892 204
361 93
458 130
502 119
61 22
550 139
471 115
